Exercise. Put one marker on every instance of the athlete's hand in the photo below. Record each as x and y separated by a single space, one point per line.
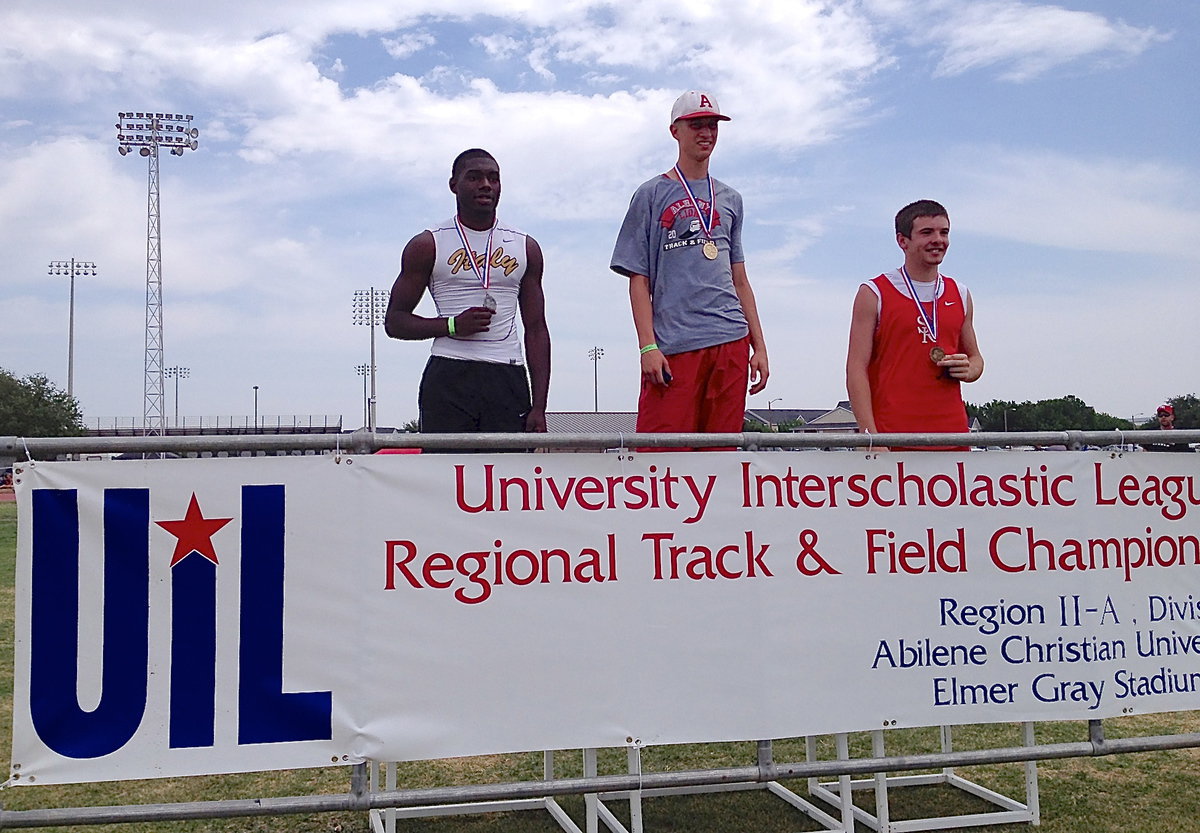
958 366
535 421
759 371
655 368
473 320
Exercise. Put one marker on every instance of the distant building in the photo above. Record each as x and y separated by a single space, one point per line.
839 419
591 422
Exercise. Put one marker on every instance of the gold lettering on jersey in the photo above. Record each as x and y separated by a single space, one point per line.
502 261
458 261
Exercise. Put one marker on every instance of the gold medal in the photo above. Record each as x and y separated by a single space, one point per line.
710 250
937 354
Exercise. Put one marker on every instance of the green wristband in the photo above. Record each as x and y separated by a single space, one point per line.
648 348
450 325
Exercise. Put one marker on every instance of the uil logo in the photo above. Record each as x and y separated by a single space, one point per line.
265 713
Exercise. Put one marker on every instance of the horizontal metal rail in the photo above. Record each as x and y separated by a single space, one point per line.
765 771
365 442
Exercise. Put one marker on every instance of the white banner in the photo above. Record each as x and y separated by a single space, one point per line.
183 617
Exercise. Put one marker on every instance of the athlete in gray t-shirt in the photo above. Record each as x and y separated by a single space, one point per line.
681 247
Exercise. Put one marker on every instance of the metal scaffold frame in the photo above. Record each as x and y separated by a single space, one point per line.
364 797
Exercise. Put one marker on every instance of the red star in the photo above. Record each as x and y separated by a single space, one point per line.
194 533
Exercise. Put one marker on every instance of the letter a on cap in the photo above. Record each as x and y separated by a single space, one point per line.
696 104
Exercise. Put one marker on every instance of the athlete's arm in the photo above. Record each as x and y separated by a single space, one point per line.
416 267
654 363
862 343
966 365
759 369
537 335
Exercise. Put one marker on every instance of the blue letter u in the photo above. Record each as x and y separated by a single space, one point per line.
54 623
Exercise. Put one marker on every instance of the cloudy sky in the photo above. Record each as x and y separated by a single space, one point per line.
1062 138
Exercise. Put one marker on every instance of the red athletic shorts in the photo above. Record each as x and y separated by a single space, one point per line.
707 393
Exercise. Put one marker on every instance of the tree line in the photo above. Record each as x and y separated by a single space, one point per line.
33 406
1071 413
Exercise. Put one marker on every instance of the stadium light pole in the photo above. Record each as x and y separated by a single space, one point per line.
176 372
596 354
369 308
364 370
74 269
256 409
148 132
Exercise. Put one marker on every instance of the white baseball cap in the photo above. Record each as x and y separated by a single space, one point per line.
695 104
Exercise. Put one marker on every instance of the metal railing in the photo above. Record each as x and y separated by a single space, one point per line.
365 442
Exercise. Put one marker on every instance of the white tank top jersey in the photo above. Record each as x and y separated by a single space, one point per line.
455 286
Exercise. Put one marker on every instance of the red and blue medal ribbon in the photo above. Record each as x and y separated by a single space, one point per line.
485 277
931 323
706 223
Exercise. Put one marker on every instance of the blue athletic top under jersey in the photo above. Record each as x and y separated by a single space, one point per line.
695 304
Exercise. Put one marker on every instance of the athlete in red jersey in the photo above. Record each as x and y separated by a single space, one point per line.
912 340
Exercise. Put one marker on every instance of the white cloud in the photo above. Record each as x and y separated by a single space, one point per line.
1075 202
497 45
806 57
408 44
1022 40
539 62
60 193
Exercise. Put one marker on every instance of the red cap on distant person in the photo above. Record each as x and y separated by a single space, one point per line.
1167 409
695 104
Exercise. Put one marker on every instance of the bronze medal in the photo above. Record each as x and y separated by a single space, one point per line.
710 250
937 354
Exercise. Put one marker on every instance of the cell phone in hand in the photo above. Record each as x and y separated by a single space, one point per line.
666 377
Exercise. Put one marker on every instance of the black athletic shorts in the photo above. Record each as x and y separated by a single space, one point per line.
460 396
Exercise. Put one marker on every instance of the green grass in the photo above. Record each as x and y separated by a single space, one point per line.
1138 793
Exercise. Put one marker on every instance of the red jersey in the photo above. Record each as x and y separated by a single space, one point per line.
909 393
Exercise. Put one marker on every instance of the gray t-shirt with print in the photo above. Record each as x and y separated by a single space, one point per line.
695 304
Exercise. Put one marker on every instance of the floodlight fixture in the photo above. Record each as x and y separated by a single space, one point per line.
596 354
364 370
73 269
370 307
150 131
176 372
